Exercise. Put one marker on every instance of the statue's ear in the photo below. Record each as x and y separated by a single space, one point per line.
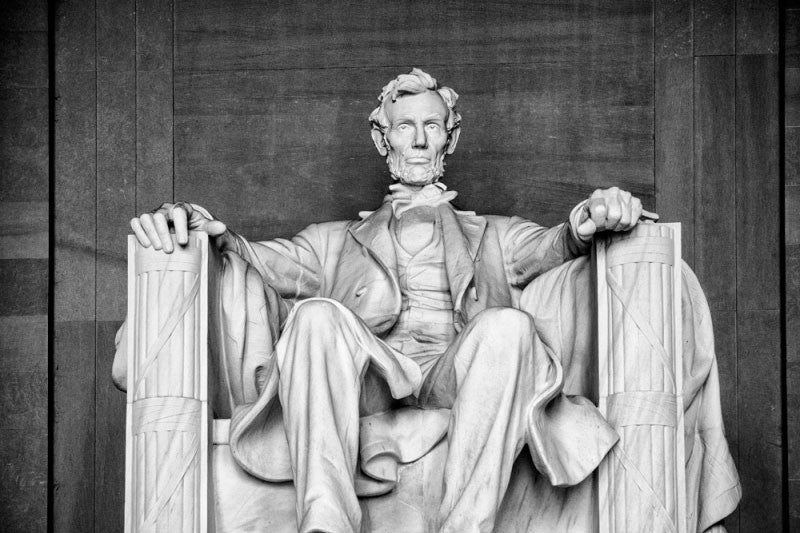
380 142
453 140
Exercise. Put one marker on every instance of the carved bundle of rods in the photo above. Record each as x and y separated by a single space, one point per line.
167 428
641 484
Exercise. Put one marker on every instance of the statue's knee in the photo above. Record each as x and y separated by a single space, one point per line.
502 335
318 312
321 326
506 322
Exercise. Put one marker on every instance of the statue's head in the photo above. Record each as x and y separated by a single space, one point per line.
415 126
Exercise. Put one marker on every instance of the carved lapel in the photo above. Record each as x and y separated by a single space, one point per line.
373 233
463 234
366 272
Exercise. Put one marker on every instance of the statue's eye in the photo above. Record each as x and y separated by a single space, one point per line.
402 127
432 127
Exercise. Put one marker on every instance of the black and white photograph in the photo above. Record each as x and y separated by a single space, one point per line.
343 266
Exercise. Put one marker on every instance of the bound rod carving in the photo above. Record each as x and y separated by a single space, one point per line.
641 482
168 417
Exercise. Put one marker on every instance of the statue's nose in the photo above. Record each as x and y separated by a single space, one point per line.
420 140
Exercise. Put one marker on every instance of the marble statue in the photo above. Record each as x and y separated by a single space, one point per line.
369 341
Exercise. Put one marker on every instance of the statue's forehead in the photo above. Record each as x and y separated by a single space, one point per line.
425 105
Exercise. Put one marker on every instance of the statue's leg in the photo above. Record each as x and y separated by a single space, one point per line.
493 367
323 355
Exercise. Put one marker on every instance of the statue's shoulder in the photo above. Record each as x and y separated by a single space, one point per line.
503 225
499 223
497 220
333 225
509 221
327 231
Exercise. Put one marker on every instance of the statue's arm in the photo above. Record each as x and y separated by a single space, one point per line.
289 268
530 249
292 267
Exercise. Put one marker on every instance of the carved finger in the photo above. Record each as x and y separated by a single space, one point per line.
150 228
598 212
186 207
163 231
587 229
180 223
613 214
649 215
625 217
215 228
636 212
197 220
141 236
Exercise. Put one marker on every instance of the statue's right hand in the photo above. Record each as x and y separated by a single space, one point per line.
153 229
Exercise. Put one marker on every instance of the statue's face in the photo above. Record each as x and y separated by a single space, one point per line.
417 138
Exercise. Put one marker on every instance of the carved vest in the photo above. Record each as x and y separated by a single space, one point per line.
365 275
425 326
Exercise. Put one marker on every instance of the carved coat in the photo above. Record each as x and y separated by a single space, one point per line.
488 260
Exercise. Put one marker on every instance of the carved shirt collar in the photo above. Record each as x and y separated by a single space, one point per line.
404 197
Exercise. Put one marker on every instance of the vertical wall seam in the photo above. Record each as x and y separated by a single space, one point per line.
784 402
736 229
172 67
135 108
96 198
655 107
51 258
694 151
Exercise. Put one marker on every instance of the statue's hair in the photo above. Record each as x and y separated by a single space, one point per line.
416 82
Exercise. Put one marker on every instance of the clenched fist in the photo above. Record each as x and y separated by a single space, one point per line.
610 209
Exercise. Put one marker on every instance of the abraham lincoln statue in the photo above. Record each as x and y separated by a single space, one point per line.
371 340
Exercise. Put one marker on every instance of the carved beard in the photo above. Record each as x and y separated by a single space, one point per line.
409 174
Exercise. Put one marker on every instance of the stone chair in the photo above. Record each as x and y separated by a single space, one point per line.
653 380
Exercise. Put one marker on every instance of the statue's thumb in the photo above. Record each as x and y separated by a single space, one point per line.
215 228
587 228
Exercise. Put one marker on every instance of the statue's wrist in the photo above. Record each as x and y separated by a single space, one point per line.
203 211
225 241
575 220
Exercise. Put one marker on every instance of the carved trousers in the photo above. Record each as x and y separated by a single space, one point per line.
486 377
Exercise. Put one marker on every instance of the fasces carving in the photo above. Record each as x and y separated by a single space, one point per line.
168 420
641 483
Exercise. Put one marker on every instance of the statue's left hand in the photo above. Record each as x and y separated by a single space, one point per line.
609 209
152 229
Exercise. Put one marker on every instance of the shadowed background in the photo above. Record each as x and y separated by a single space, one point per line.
258 111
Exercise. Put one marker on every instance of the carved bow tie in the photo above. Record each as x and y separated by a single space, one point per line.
405 198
